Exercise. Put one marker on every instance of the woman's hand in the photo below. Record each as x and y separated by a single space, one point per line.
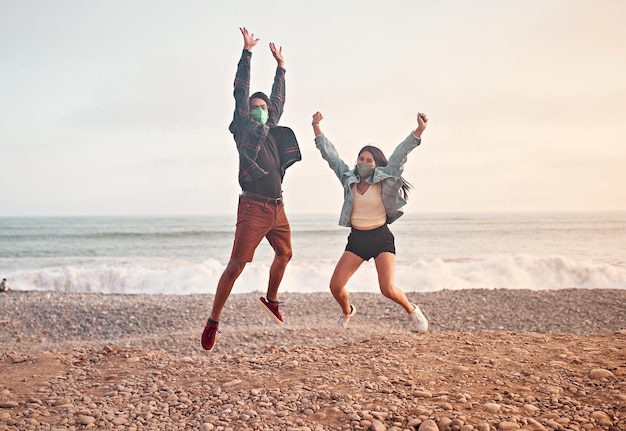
317 117
422 122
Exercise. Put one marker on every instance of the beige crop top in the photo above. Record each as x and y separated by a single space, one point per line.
368 211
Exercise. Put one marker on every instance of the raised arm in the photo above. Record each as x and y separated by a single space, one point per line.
327 149
398 158
241 90
278 95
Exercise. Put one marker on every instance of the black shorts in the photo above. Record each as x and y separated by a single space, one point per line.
369 244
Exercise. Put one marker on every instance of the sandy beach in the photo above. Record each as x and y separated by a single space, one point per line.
493 360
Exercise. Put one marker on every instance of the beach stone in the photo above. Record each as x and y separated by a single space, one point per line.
536 425
554 424
428 425
600 373
599 415
492 407
443 423
508 426
86 420
207 427
119 421
531 408
9 404
377 426
456 423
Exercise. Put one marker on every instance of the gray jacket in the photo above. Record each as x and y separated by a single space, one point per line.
388 175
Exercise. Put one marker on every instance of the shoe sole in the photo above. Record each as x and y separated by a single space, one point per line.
420 331
268 311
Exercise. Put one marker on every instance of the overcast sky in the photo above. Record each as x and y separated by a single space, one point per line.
122 107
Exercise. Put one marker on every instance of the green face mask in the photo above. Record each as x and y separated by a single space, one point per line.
260 115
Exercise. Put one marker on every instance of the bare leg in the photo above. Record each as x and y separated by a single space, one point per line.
385 266
225 285
277 270
346 267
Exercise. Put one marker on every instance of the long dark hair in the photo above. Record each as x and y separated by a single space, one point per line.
381 160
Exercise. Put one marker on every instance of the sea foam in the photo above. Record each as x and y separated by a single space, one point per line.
163 276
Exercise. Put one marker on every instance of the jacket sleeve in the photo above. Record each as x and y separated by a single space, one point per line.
330 154
399 156
277 98
241 92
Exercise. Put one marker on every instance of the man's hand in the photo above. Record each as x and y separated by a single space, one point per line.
248 39
278 54
422 122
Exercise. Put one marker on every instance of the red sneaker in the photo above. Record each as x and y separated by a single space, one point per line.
208 335
272 309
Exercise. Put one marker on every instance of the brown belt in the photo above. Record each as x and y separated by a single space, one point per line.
261 198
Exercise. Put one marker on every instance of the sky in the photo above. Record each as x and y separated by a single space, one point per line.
122 107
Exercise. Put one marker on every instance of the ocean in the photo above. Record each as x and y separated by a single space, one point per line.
186 255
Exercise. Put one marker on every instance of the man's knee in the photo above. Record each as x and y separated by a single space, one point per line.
234 267
283 258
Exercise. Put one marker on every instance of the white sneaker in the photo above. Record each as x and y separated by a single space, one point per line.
344 319
420 323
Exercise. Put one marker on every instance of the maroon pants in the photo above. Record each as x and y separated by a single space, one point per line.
255 221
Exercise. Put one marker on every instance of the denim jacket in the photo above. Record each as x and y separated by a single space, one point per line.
388 176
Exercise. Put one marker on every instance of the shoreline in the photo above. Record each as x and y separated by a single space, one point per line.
58 317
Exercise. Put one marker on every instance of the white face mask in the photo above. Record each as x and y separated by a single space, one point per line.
365 169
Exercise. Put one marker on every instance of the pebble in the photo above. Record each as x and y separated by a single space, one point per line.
492 407
428 425
600 373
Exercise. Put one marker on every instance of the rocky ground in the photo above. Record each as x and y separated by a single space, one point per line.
493 360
